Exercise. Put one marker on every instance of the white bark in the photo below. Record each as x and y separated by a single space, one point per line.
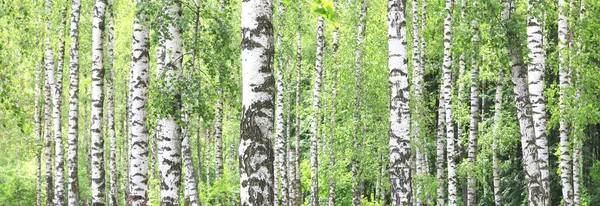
564 85
356 188
577 142
138 97
73 130
256 130
400 151
332 135
535 80
169 137
498 199
219 137
38 134
110 105
440 148
191 191
524 112
314 164
296 190
280 139
97 138
447 92
48 137
474 123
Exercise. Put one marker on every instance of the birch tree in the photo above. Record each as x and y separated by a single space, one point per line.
314 160
440 148
48 137
421 165
474 123
38 134
564 76
447 92
535 82
110 104
400 152
73 130
356 190
577 142
191 191
498 199
332 135
280 141
138 97
296 154
256 150
97 139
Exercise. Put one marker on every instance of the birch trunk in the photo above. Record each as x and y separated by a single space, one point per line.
498 200
38 135
256 130
48 136
296 160
400 152
447 92
564 76
191 191
577 142
535 80
356 189
280 140
138 97
169 134
97 139
73 130
218 137
422 168
314 164
332 135
110 105
440 148
524 112
474 123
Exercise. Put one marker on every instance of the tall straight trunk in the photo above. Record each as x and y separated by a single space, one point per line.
38 135
169 132
48 136
314 164
54 79
524 111
400 151
417 115
356 190
256 130
332 135
474 123
296 161
138 97
207 151
219 136
110 104
460 93
290 153
498 200
73 130
577 142
191 191
127 147
564 76
97 139
440 148
447 92
280 139
535 80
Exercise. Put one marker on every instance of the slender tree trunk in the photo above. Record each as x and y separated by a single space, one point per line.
218 136
207 159
138 97
126 145
314 164
256 130
191 192
110 98
356 190
564 85
577 142
400 152
447 92
422 167
498 200
38 135
297 189
535 80
474 124
440 148
524 112
169 133
280 139
73 131
97 139
332 135
48 136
